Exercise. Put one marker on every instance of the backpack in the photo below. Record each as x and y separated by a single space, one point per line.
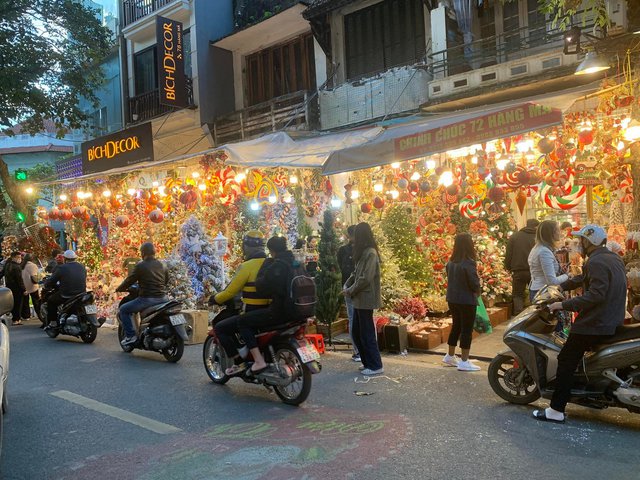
301 294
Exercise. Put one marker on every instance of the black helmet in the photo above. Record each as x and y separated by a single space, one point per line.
147 250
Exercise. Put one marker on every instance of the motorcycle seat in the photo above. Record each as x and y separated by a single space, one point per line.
623 332
279 326
149 310
70 300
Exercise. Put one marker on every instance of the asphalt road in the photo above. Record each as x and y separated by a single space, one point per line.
93 412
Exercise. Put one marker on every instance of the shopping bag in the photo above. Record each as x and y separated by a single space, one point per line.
482 323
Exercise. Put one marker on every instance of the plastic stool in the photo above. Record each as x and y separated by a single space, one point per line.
318 340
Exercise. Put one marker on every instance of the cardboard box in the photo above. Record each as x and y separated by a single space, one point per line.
199 322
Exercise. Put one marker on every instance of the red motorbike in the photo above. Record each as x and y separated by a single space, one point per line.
284 346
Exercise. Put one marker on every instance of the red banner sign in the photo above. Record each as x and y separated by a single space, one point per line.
504 123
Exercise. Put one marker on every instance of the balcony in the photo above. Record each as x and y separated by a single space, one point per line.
293 111
250 12
147 105
134 10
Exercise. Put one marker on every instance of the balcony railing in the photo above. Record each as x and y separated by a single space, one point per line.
510 45
134 10
290 111
147 105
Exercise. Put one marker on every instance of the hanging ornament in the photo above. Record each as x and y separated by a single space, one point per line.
54 213
470 207
512 179
585 137
496 194
425 186
42 214
122 221
626 190
378 202
414 187
365 208
521 200
189 198
567 199
601 195
156 216
78 211
546 145
510 168
65 215
453 189
557 178
403 183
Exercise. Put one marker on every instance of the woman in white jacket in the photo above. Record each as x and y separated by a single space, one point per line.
545 269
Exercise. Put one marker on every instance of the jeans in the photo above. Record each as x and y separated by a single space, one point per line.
520 281
568 360
134 306
532 294
53 302
349 304
364 336
463 318
226 328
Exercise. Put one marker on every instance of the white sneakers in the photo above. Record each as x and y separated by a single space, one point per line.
467 366
453 361
368 372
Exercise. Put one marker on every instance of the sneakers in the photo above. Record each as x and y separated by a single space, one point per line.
356 358
361 367
368 372
467 366
129 340
451 360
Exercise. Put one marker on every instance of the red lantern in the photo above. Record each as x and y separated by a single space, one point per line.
122 221
496 194
378 202
365 208
156 216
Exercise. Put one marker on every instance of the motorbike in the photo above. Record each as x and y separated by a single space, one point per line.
45 293
293 359
608 376
77 317
161 328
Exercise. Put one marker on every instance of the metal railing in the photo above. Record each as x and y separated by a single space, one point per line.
134 10
291 110
147 105
510 45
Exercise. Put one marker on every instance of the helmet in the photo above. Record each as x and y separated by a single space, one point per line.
253 238
594 233
147 249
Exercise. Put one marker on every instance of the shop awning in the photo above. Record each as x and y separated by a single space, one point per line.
451 131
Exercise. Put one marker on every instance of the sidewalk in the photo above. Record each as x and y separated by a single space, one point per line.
483 348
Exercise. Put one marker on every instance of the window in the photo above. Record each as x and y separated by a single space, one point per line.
186 48
145 71
98 123
285 68
385 35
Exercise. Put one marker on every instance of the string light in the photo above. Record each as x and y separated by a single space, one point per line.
378 187
131 191
29 190
273 199
446 179
202 187
293 180
195 174
63 197
394 194
106 193
395 165
240 177
287 198
336 202
355 194
154 184
415 176
431 164
255 206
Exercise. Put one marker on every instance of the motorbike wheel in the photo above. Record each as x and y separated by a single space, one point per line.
90 334
174 353
42 313
511 381
298 390
127 348
52 332
215 361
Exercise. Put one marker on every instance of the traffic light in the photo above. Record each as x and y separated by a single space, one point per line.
21 175
20 217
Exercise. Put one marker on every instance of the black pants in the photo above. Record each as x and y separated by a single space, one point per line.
35 299
54 301
250 322
364 335
18 298
520 281
463 318
227 327
568 360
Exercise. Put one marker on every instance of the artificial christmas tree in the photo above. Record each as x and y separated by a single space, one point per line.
328 278
90 250
197 252
179 287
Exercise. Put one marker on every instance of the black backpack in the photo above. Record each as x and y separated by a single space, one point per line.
301 294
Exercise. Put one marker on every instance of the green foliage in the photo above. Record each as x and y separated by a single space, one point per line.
328 278
564 13
91 250
45 75
394 285
399 228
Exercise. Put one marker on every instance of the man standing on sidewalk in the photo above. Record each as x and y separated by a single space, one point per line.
516 261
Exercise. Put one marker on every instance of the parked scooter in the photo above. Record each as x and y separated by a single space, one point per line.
161 328
284 346
77 317
607 377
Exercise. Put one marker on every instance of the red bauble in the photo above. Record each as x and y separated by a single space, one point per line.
153 199
378 202
365 208
131 205
127 241
65 215
453 189
414 187
585 137
78 211
546 146
122 221
156 216
496 194
523 177
115 203
188 197
54 213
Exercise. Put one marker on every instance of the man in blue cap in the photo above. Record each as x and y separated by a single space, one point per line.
601 309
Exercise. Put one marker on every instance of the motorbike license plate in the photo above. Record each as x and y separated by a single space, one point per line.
308 353
90 309
177 319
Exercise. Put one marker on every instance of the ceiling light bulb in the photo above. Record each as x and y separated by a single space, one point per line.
80 195
395 165
88 195
195 174
154 184
240 177
29 190
287 198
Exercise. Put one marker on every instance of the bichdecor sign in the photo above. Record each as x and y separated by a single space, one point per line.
504 123
128 147
171 78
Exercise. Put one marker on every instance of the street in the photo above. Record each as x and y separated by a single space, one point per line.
81 411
